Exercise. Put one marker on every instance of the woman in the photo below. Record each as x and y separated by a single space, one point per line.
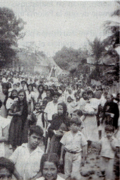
41 92
19 111
90 122
29 99
48 97
49 167
59 125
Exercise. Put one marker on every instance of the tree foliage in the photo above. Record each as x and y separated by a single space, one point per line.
97 48
10 31
113 28
69 58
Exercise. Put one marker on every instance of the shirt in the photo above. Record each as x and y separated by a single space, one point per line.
51 109
74 142
4 122
26 163
107 150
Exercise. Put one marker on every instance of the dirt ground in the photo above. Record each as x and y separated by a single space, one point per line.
91 169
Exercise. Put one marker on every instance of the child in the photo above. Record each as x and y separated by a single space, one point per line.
49 167
73 142
80 116
37 117
108 148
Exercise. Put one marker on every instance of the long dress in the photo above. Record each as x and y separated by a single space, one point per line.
59 122
90 123
17 124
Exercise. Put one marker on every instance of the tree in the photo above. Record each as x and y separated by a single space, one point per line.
113 28
69 57
97 48
10 32
112 41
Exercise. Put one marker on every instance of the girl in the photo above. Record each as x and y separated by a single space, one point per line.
48 97
19 111
49 167
41 92
11 99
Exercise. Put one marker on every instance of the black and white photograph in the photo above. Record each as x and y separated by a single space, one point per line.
59 90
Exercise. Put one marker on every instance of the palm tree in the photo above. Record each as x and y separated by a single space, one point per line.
113 28
97 50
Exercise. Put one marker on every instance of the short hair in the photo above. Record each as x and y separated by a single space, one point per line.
35 130
75 120
6 163
79 113
51 157
109 128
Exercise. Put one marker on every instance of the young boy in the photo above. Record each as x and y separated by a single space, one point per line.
27 157
73 142
107 152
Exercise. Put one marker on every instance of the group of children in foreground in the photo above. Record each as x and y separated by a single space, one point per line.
74 145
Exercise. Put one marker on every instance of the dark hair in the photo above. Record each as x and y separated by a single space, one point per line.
76 121
41 86
12 92
30 85
36 129
23 81
6 163
79 113
22 91
64 107
84 92
90 92
5 85
51 157
109 128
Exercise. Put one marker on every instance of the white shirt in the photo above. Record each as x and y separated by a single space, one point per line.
51 109
73 143
107 150
26 163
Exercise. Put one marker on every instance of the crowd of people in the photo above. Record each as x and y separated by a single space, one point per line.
47 129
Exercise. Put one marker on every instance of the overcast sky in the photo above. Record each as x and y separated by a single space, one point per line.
54 24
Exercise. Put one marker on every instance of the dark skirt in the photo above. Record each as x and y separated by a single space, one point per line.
55 145
15 131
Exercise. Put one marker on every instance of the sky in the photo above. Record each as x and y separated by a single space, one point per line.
50 25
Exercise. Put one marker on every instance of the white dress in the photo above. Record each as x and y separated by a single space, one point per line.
90 123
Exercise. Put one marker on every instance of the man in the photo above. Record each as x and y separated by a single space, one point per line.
110 112
27 157
51 107
6 169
